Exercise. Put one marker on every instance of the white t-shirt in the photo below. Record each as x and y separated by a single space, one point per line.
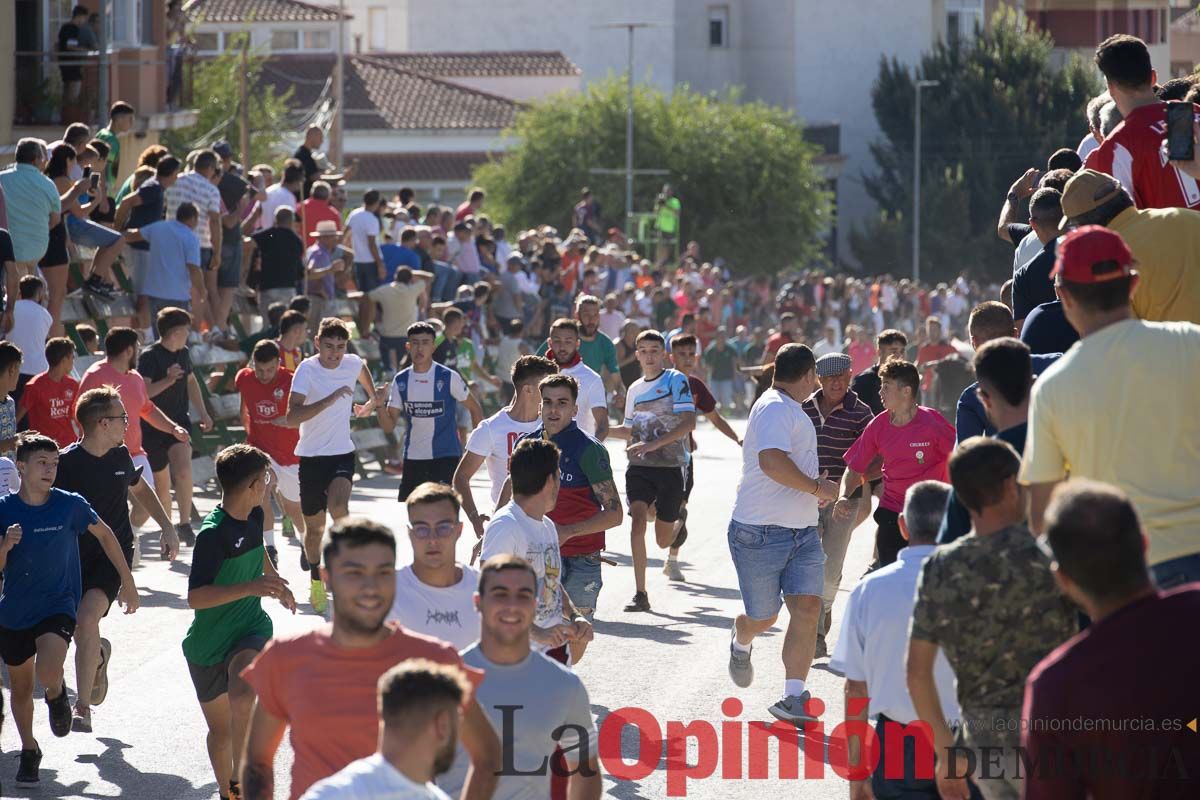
536 541
278 196
591 395
328 433
31 324
777 422
443 612
372 778
611 323
1027 248
494 439
361 224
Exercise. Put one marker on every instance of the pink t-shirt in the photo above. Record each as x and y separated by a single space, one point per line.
914 452
134 396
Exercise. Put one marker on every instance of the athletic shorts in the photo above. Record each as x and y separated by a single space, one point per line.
100 574
158 447
287 480
316 473
18 646
434 470
212 680
662 486
691 480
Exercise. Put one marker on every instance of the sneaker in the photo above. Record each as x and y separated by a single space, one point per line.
317 597
822 650
740 667
289 530
640 602
98 287
59 710
137 554
235 790
81 722
304 565
791 709
273 554
672 571
186 534
31 760
100 687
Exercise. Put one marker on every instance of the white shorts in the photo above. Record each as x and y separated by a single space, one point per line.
287 481
143 461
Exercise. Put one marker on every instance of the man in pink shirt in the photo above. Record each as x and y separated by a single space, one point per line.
914 442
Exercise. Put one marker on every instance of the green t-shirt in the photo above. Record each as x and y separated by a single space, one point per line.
125 189
457 358
720 362
597 354
114 155
228 551
668 215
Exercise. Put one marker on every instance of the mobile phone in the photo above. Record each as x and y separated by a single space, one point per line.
95 181
1180 142
87 172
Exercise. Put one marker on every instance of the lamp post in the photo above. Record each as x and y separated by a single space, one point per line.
631 27
916 238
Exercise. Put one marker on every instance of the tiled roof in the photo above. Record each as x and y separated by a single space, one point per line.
380 96
494 63
259 11
384 169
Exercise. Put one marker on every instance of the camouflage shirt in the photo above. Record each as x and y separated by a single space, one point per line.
991 603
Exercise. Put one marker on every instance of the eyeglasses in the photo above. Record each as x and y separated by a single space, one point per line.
442 530
123 417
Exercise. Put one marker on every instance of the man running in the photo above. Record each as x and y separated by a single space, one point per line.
99 468
230 575
42 589
659 416
321 683
773 533
435 595
493 440
321 403
427 395
540 704
593 402
685 356
264 388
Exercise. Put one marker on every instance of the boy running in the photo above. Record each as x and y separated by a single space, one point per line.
230 575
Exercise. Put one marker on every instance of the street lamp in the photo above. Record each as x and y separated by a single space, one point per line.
916 238
631 27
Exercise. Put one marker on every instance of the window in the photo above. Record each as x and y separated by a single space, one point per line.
718 26
953 28
126 21
317 40
285 40
207 42
963 18
377 25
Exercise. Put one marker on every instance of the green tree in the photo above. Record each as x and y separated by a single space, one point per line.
216 92
1002 106
742 171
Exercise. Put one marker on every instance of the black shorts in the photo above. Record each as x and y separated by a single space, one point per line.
56 249
662 486
434 470
99 573
691 480
18 646
212 680
316 473
157 445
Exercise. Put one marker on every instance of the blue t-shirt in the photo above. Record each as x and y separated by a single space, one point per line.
396 256
956 523
1046 330
41 577
971 419
173 246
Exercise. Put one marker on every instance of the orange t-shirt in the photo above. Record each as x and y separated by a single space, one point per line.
327 694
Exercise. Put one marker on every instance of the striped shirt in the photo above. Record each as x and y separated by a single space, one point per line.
837 432
194 188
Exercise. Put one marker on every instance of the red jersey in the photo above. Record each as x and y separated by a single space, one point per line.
264 402
1135 153
313 211
48 406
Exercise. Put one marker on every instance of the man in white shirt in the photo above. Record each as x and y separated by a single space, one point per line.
321 403
873 644
493 440
31 326
281 195
592 415
434 594
773 534
419 706
364 237
829 344
522 528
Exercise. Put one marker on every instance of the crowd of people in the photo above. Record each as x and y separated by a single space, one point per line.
1025 553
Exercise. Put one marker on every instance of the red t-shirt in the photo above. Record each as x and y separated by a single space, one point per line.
326 694
914 452
1135 154
313 211
932 352
777 341
49 405
265 402
463 211
132 387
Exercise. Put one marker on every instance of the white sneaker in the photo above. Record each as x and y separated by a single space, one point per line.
672 571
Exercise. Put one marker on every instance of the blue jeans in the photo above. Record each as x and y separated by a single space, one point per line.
581 581
445 280
908 786
773 562
86 233
1177 571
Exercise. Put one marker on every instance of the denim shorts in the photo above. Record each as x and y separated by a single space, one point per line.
366 275
389 345
229 274
581 580
773 562
86 233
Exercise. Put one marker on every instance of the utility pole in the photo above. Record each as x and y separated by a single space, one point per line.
916 237
103 89
629 171
244 105
337 148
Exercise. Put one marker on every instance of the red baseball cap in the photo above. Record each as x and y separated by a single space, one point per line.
1087 255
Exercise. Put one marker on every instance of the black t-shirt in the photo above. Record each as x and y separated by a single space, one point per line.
1017 231
236 537
1047 331
69 67
104 482
866 386
232 189
311 170
282 256
172 401
446 353
6 247
1032 285
150 211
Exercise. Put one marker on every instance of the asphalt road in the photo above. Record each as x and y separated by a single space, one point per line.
149 736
